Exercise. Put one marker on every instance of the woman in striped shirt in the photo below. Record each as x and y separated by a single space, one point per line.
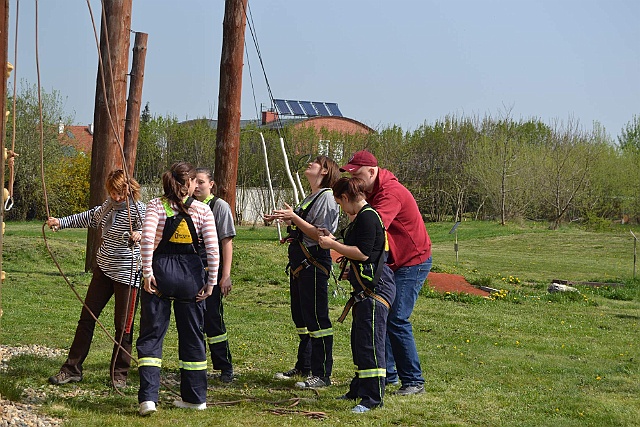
174 274
117 273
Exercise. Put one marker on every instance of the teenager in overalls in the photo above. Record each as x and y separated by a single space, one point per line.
364 249
214 326
309 267
174 275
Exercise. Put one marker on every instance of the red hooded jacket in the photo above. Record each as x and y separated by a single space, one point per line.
409 242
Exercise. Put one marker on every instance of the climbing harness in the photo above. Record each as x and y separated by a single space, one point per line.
356 270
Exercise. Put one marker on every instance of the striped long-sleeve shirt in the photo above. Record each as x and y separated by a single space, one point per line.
115 258
204 223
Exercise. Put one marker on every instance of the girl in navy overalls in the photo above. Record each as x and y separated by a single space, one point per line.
309 267
373 291
173 273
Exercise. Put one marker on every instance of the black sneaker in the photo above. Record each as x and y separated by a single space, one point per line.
226 377
290 374
63 377
346 397
314 382
407 390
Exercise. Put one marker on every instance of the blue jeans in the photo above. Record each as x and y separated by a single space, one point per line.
400 349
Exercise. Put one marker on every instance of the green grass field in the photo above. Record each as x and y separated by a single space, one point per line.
521 358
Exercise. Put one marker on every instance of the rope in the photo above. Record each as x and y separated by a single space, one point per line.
13 118
117 342
44 185
118 140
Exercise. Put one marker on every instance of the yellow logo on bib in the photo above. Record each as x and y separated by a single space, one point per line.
182 234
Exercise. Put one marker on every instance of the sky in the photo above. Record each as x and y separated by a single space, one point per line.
401 62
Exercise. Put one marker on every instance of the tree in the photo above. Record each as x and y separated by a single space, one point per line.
629 137
28 189
567 164
501 166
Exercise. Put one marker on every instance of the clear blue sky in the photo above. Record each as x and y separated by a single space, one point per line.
398 62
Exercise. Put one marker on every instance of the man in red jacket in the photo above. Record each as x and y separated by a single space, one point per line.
409 258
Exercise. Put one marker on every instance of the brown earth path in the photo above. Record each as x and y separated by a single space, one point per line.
454 283
442 282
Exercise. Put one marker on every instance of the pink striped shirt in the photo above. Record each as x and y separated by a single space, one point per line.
204 223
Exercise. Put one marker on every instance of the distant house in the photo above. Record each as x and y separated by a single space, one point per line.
321 116
76 138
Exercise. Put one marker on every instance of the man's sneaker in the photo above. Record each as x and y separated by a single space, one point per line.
407 390
147 407
63 377
226 377
314 382
290 374
187 405
388 381
360 409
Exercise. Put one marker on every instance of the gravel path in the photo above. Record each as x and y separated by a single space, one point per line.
26 414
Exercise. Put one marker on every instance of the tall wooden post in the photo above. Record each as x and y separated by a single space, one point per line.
132 125
110 104
228 133
4 54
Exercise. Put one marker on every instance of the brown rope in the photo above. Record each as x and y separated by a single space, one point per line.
13 118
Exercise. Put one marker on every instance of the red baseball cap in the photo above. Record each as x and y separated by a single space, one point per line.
359 159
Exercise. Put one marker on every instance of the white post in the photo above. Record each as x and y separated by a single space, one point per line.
300 188
273 200
635 244
288 170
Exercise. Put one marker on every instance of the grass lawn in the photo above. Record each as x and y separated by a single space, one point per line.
521 358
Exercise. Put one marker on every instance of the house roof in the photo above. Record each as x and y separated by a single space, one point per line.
78 137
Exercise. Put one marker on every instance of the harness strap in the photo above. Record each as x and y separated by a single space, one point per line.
310 260
359 297
174 226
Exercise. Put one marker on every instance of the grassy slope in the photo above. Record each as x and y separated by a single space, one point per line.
523 359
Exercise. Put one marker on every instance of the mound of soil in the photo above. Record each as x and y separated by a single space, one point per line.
454 283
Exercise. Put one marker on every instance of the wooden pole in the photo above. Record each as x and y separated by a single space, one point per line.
132 125
4 54
110 104
228 133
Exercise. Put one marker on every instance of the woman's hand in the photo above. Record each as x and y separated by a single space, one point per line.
204 293
326 242
53 223
225 285
150 285
285 214
136 236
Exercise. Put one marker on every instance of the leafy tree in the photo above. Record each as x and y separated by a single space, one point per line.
28 190
629 137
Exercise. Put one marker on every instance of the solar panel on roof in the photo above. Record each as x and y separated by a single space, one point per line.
282 107
308 108
333 108
321 109
296 108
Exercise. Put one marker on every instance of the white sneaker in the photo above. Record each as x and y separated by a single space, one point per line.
187 405
147 407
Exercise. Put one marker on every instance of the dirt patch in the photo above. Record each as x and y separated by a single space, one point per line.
455 283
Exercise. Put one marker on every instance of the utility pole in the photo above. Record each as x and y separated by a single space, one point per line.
110 104
132 125
228 133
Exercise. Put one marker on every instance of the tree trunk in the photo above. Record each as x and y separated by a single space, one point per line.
110 104
228 134
132 125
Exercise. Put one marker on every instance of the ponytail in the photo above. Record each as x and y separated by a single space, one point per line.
175 183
